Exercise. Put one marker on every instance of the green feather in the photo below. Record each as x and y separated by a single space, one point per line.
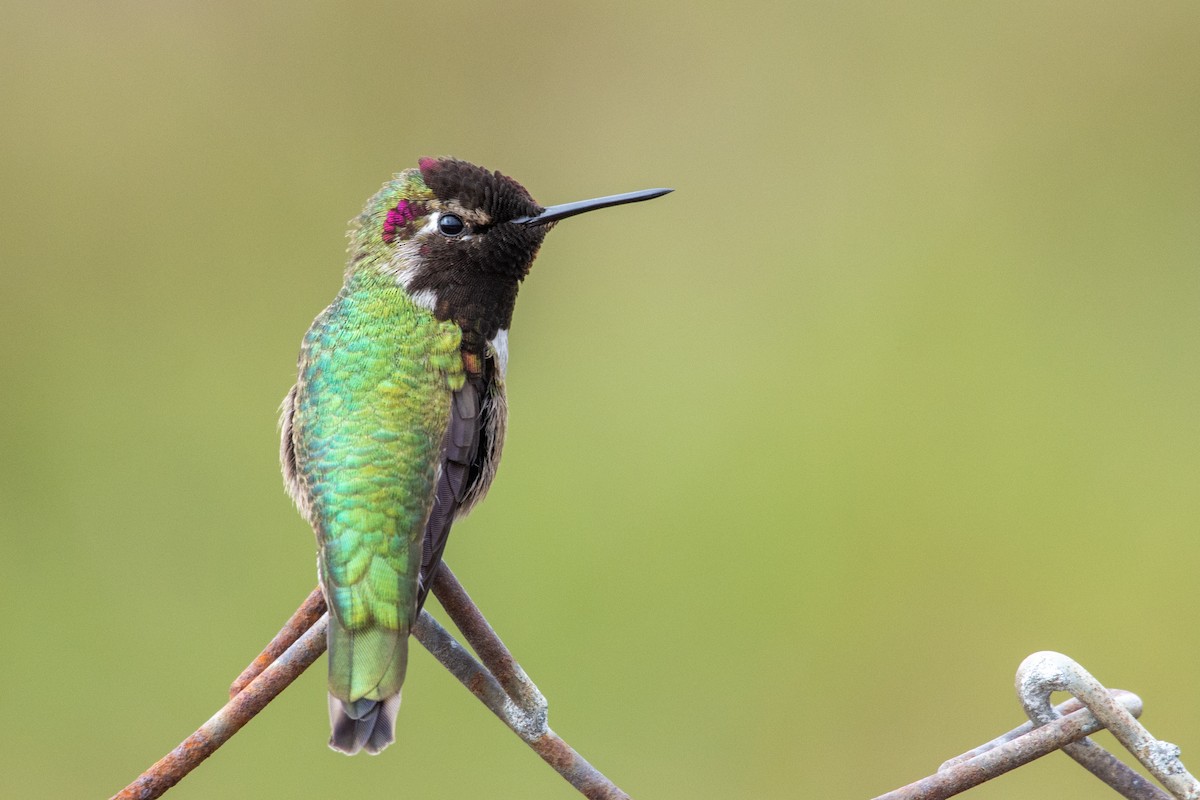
371 407
367 663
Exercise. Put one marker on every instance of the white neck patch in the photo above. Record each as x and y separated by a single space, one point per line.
499 344
405 261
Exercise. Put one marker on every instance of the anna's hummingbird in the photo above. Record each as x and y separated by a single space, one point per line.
396 422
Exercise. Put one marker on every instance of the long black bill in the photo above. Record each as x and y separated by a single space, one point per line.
555 213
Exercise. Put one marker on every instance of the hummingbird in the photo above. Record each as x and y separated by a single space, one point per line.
396 423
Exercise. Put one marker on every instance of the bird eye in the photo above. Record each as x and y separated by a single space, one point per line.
450 225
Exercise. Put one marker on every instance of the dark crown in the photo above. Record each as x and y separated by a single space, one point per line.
476 188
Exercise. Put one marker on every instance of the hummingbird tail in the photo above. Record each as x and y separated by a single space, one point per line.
363 725
366 670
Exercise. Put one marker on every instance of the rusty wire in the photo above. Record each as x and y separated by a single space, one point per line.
1066 726
305 617
242 708
498 682
501 685
1003 754
1128 699
1046 672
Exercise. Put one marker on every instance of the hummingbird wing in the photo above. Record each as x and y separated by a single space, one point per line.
287 454
460 448
470 453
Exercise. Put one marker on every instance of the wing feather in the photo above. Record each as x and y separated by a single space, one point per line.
470 452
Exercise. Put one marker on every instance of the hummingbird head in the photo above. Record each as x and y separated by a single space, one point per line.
459 239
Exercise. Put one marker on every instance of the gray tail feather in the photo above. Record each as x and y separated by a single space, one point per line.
363 725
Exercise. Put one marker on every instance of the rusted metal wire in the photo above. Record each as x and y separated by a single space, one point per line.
1128 699
484 641
305 617
1066 726
1003 754
1046 672
531 727
501 685
172 767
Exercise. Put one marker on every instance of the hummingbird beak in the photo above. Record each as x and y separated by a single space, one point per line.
555 213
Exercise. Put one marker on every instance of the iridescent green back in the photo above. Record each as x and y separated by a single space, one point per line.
371 406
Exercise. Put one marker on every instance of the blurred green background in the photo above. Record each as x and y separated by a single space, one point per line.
897 388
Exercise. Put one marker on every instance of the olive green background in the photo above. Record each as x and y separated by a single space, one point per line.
897 388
